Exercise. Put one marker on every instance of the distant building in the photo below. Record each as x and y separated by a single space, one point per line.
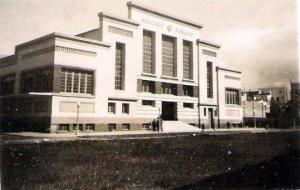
279 94
295 100
256 103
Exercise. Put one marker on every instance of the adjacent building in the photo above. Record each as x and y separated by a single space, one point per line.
279 94
295 101
119 76
256 103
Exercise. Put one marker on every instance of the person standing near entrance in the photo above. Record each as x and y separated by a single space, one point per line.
203 127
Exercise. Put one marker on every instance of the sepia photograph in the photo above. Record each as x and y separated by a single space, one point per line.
149 94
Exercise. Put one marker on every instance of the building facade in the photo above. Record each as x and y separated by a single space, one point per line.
279 94
256 103
119 76
295 101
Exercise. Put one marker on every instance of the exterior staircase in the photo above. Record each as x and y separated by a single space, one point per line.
178 126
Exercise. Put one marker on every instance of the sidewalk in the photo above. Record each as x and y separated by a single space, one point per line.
118 133
35 137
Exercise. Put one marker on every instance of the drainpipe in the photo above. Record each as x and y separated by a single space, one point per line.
198 67
218 106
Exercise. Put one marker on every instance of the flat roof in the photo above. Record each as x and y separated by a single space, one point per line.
7 57
92 30
208 43
165 15
127 21
65 36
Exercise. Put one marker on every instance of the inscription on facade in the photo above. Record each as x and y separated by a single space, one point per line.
167 27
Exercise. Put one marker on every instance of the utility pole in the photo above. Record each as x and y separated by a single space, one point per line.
77 120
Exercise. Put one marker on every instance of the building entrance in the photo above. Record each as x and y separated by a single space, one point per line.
211 118
169 111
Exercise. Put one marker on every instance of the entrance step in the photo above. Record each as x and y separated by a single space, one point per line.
178 126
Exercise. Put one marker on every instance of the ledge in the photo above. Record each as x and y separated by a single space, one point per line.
148 75
168 77
127 21
208 43
229 70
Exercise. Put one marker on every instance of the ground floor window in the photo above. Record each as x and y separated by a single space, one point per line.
188 105
148 103
63 127
41 106
80 127
112 127
146 126
90 127
204 111
126 126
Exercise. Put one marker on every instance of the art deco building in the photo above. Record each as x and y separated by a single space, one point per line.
119 76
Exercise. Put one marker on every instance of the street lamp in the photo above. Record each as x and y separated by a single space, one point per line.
77 120
254 119
159 121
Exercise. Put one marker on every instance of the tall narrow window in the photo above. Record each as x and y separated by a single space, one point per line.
148 52
120 66
209 80
187 60
169 56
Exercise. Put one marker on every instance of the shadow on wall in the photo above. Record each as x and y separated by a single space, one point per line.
280 172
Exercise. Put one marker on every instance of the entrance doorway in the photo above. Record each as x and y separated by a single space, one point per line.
211 118
169 111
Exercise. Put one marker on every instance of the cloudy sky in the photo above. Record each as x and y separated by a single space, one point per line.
257 37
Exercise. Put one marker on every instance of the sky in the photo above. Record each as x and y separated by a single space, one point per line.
257 37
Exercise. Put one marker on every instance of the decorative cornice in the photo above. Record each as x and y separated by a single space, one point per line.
8 60
122 99
59 48
208 43
64 36
159 13
229 70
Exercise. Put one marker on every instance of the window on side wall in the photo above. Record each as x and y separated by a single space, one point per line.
125 108
232 96
77 81
111 107
188 105
126 126
148 103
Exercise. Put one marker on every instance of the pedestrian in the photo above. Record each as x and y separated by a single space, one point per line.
202 126
228 125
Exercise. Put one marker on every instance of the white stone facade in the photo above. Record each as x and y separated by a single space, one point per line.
95 52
